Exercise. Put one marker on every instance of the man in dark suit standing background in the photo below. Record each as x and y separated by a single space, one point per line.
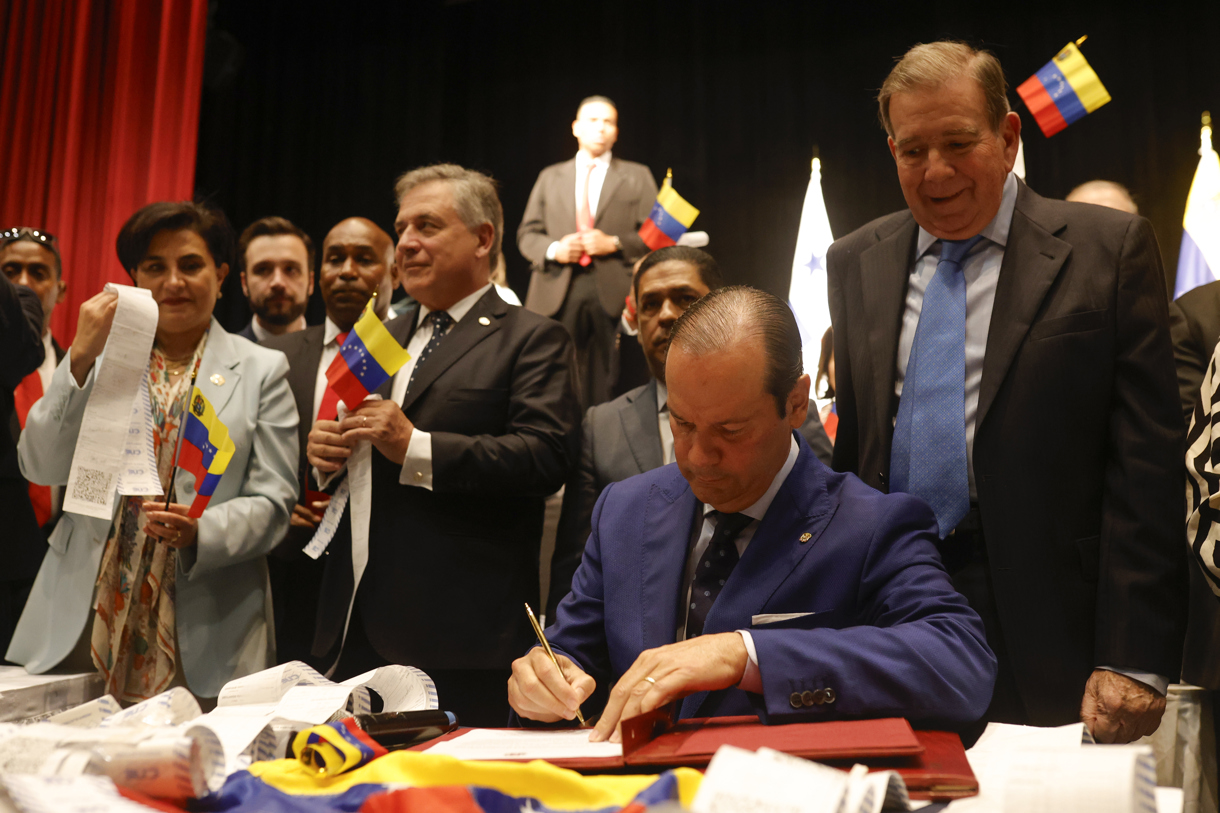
276 276
579 233
1007 358
478 428
357 262
21 329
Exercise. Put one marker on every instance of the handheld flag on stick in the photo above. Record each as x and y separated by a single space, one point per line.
1199 257
367 359
669 219
807 288
1065 90
206 449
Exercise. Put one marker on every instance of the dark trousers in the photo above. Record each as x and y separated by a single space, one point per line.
593 334
964 554
479 697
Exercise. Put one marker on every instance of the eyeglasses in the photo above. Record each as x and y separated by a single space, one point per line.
27 233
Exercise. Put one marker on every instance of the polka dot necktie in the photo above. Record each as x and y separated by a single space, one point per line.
713 570
441 322
928 458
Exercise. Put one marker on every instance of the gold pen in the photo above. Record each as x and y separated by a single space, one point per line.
545 645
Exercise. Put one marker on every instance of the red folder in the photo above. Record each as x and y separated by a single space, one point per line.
650 741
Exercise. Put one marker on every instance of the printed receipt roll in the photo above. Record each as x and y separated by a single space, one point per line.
115 441
184 765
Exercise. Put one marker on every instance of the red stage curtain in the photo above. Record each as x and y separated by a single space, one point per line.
99 115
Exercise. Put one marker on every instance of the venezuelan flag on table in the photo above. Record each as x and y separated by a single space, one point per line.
1199 257
367 359
410 781
1064 91
206 449
669 219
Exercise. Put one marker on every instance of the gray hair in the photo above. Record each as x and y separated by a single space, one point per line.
931 65
1090 189
474 198
739 313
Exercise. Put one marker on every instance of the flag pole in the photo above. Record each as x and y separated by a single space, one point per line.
173 472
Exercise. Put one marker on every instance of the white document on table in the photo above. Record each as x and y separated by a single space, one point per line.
108 422
489 743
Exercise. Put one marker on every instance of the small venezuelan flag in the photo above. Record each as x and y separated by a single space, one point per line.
1064 91
367 359
206 449
669 219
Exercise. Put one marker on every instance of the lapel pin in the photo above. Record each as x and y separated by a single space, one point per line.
484 321
805 537
217 379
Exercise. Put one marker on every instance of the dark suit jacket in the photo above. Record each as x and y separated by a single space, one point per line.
247 332
296 579
449 568
21 330
626 199
621 439
1194 323
861 566
1078 447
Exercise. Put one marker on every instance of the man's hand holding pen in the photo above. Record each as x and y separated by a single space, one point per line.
539 691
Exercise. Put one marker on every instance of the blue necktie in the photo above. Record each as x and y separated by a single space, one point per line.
713 570
440 326
928 458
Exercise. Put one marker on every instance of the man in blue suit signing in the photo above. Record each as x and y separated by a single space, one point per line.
747 577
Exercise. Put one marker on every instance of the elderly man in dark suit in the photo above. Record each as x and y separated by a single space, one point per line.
477 429
631 434
1007 358
357 263
579 233
21 328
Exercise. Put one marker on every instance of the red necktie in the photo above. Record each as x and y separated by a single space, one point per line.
329 410
27 392
584 213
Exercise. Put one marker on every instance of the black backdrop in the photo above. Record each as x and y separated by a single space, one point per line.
311 110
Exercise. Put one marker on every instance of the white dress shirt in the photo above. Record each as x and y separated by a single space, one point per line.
330 349
417 467
597 179
751 681
667 432
47 368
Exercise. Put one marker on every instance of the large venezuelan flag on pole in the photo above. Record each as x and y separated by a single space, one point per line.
669 219
367 359
1065 90
1199 257
206 449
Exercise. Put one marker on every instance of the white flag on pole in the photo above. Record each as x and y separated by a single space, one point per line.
807 291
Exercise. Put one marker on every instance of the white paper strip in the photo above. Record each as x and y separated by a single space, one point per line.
104 430
330 521
139 472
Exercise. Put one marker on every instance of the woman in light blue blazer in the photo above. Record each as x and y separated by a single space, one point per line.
154 598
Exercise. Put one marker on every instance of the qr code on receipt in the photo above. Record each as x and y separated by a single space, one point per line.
93 486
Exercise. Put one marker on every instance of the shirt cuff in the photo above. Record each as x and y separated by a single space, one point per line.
552 250
1158 683
417 467
751 679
